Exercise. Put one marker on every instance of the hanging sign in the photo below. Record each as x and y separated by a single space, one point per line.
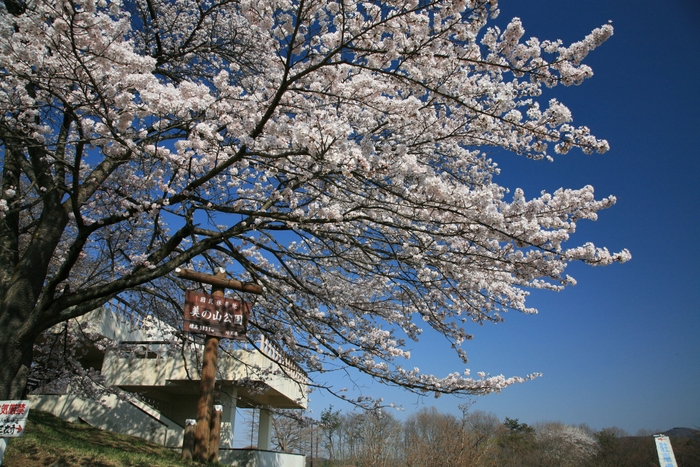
13 417
215 316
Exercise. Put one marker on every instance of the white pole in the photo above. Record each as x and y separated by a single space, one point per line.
3 445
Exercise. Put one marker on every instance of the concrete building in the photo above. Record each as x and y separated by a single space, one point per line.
159 389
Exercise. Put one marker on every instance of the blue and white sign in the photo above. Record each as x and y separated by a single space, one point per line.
663 447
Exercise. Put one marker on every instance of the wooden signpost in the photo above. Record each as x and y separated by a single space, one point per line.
216 316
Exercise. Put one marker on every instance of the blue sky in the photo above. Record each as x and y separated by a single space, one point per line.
622 348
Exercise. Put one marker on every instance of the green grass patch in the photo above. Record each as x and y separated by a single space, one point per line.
51 442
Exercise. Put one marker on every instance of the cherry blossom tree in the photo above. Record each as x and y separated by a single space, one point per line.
331 151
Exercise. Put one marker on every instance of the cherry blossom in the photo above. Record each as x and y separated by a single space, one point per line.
334 152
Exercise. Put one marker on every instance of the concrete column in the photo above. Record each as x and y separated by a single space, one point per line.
264 430
228 419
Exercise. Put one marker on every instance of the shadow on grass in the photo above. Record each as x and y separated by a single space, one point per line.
51 442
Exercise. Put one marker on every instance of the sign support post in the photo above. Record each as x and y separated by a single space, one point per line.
204 451
206 387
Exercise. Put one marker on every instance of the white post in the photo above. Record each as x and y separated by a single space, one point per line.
264 431
3 445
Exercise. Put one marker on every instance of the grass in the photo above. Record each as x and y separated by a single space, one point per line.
51 442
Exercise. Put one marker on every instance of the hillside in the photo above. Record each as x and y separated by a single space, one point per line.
52 442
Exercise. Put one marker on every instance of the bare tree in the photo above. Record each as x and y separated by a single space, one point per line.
435 438
291 431
372 438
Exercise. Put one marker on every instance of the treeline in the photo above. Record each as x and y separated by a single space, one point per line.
468 439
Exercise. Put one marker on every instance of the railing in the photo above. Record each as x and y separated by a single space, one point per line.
282 359
157 348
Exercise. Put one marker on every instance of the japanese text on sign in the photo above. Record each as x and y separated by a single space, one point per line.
215 316
665 451
13 408
12 430
13 416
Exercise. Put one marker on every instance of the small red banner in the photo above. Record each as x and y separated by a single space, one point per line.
215 316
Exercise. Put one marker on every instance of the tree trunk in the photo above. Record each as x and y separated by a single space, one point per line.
21 322
16 352
22 281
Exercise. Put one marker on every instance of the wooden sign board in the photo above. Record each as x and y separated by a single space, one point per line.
215 316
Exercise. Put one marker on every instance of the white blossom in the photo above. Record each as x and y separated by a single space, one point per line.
335 156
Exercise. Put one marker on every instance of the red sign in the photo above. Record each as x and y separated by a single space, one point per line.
14 408
215 316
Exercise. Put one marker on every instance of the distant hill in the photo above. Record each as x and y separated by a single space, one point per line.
682 433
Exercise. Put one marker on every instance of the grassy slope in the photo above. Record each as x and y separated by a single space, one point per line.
49 441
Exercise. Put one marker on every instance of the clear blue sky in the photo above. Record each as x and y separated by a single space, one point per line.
622 348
